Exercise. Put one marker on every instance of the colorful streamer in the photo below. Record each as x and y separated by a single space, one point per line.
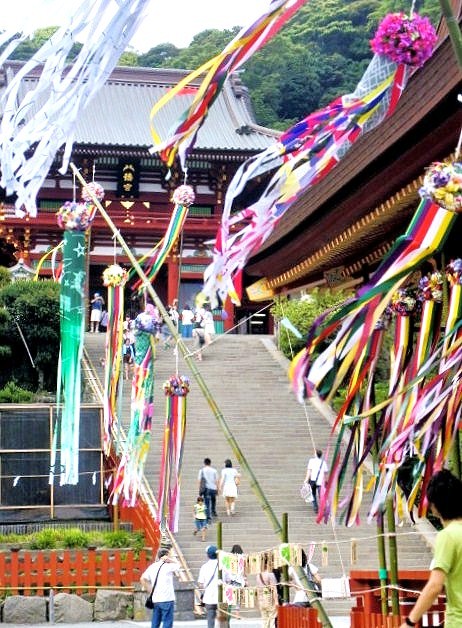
36 125
129 474
114 278
183 197
216 71
301 158
75 219
176 390
418 422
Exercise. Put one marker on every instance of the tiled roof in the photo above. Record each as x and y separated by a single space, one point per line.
119 114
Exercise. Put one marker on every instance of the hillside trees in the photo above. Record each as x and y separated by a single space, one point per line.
29 315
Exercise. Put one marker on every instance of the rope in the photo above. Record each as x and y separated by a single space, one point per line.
313 443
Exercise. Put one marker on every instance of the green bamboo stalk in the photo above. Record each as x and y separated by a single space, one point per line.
255 486
393 549
380 532
285 568
453 29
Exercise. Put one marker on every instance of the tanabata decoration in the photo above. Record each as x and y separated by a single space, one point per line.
176 389
35 125
75 218
306 152
114 279
129 473
417 423
183 198
240 49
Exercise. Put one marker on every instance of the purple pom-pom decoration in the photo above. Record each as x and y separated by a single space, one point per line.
184 195
454 272
443 185
405 40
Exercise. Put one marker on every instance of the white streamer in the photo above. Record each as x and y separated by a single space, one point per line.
44 118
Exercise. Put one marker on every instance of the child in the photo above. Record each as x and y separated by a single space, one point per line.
200 517
128 356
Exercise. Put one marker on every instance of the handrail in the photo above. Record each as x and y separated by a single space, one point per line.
146 493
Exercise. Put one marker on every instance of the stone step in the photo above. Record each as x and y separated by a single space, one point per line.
247 379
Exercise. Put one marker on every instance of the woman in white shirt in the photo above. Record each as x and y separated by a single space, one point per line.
229 480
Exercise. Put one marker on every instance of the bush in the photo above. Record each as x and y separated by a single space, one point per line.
74 538
119 538
45 539
12 393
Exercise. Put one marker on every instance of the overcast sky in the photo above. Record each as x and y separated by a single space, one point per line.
174 21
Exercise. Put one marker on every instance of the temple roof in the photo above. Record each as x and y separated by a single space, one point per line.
119 114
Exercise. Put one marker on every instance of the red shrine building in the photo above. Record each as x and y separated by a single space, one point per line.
112 142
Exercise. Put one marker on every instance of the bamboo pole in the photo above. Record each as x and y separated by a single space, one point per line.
393 555
380 533
285 568
255 486
453 29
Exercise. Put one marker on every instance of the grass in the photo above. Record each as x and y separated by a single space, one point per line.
71 538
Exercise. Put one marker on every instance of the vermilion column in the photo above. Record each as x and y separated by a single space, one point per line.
173 269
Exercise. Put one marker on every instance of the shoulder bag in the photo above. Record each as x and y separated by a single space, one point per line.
202 485
149 603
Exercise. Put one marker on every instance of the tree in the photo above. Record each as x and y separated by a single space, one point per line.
29 47
160 56
29 315
302 313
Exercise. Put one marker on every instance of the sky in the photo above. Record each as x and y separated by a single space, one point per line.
173 21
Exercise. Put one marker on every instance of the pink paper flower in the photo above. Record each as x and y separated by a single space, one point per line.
403 39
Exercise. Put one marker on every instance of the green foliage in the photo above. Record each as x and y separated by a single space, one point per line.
30 308
302 313
12 393
74 538
56 538
29 47
5 277
118 538
45 539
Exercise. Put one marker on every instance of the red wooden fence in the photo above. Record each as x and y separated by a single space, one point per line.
298 617
27 572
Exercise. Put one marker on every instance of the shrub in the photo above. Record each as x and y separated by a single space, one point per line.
12 393
45 539
74 538
119 538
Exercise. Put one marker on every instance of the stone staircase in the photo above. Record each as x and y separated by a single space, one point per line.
247 378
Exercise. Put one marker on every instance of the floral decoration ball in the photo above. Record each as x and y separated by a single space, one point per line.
403 302
74 216
184 195
454 272
404 39
177 385
443 185
114 275
431 287
94 187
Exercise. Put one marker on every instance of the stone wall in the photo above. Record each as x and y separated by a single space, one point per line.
65 608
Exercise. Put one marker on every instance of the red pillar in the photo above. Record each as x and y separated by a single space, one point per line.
229 309
173 275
